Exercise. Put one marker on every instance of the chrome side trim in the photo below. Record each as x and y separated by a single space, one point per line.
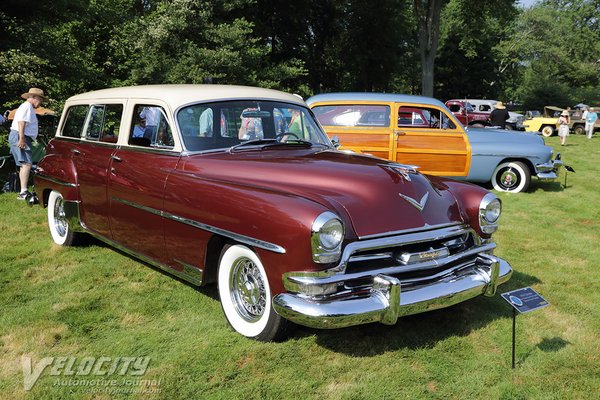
72 215
193 278
54 180
386 300
232 235
193 273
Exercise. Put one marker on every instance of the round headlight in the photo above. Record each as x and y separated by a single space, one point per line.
490 209
331 234
326 238
493 211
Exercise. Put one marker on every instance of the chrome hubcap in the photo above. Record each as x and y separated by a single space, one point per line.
60 221
247 289
509 178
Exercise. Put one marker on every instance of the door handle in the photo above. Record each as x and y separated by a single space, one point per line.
400 133
75 152
115 158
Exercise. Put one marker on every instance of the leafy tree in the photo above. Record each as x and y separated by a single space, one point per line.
468 65
555 46
428 21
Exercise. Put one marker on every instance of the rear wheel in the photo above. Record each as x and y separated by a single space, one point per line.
61 232
579 130
548 131
513 176
246 295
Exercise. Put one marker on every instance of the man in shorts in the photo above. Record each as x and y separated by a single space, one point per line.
23 131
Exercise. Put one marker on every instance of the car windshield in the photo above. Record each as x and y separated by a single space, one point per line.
222 125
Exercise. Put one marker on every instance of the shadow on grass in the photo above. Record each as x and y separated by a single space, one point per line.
420 330
546 345
410 332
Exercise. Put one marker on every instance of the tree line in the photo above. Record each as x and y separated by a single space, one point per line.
547 54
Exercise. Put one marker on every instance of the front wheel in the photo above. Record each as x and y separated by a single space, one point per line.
246 295
61 232
513 176
548 131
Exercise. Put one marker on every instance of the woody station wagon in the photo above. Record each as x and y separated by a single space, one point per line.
422 131
240 187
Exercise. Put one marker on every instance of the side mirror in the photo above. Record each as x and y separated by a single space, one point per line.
335 141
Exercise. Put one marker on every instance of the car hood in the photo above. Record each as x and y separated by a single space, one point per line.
490 135
374 195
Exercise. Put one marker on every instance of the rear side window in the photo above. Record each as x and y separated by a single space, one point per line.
74 122
353 115
104 122
423 117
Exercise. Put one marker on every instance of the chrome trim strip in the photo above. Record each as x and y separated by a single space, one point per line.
193 273
54 180
191 279
232 235
73 216
386 300
412 230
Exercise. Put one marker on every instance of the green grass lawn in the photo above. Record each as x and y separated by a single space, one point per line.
93 301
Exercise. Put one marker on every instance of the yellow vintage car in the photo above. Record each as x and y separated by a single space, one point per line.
546 124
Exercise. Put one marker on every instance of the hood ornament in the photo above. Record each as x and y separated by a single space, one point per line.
401 169
419 205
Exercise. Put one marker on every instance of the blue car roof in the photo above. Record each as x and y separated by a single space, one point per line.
364 96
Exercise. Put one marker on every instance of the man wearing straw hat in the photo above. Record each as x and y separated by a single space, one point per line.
499 115
23 131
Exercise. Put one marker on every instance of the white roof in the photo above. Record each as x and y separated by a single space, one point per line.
178 95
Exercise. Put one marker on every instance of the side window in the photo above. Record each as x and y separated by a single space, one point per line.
353 115
75 120
151 128
104 123
485 108
95 124
424 118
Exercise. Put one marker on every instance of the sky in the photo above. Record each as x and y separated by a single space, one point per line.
527 3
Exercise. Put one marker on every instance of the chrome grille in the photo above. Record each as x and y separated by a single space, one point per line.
414 255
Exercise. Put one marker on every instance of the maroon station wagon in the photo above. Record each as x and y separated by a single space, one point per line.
241 186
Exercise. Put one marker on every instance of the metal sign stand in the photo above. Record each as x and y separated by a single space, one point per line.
514 336
522 300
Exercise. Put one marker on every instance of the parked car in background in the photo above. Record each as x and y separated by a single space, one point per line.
466 113
240 186
577 123
547 124
515 122
422 131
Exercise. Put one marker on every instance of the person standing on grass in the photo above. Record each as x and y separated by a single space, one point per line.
563 127
499 115
23 130
590 121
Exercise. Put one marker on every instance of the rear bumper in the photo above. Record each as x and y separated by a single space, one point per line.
389 298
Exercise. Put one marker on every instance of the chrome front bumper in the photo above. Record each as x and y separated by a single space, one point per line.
386 300
550 169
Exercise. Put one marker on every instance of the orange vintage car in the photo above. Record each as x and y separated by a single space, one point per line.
421 131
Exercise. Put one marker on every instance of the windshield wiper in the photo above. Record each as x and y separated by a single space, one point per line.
264 143
250 143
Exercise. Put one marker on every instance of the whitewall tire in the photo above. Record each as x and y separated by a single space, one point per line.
513 176
245 295
61 232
